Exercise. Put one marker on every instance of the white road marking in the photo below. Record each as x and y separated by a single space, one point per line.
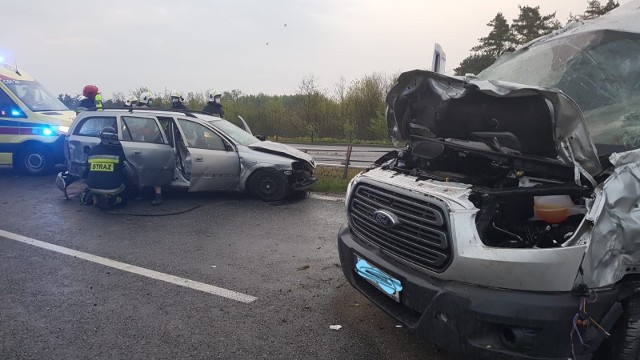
195 285
325 197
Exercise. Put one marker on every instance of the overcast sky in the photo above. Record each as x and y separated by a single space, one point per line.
251 45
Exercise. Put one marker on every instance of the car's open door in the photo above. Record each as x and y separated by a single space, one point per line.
147 148
212 162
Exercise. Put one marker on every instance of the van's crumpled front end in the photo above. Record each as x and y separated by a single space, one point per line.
497 231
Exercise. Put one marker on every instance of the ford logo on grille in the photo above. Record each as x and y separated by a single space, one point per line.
386 218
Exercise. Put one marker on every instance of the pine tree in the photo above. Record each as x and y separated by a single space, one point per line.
594 9
530 24
610 5
499 39
474 64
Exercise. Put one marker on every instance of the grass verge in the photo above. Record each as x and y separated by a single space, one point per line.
330 179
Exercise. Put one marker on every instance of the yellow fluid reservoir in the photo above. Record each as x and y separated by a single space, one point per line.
553 209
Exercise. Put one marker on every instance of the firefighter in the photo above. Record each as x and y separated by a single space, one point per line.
177 101
214 107
131 102
106 179
88 102
145 100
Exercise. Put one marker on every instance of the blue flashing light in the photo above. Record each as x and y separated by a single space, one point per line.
15 113
47 131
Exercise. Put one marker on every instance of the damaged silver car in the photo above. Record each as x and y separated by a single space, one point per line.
509 225
190 150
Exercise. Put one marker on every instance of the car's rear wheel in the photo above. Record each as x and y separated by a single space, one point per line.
35 160
625 337
269 185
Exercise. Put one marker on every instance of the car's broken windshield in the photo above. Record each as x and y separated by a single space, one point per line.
237 134
598 69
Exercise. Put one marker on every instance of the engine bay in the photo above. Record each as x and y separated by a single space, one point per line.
523 201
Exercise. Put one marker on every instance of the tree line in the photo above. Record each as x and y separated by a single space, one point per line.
355 111
349 111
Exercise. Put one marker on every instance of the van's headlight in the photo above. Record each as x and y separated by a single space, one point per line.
350 186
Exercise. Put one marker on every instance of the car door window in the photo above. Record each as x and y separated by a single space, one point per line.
165 123
92 126
141 130
8 108
198 136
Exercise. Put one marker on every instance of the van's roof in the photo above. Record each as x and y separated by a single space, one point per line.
9 72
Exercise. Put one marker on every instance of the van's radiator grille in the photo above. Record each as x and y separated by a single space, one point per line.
421 236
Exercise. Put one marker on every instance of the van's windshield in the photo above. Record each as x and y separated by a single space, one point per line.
35 96
598 69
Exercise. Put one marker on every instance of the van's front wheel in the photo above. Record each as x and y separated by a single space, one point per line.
35 160
625 336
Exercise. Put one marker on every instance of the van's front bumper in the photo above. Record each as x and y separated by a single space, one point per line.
475 321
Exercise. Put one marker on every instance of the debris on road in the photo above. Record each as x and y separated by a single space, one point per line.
335 327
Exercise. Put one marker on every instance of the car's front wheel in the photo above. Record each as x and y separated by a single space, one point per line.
35 160
269 185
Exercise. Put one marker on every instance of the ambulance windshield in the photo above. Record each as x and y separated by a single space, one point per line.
35 96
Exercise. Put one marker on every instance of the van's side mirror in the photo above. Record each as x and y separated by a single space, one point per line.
261 137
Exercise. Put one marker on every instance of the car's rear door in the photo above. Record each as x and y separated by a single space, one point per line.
84 136
213 162
147 148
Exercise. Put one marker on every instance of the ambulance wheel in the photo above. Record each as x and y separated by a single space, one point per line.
35 160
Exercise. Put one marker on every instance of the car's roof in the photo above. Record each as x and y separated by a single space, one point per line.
156 112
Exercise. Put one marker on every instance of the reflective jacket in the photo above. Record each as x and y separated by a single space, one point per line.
105 167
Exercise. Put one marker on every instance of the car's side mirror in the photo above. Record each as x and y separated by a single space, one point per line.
261 137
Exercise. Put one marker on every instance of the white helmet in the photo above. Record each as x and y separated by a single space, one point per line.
132 100
146 98
213 94
176 96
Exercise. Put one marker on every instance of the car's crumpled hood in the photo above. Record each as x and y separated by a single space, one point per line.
282 150
539 119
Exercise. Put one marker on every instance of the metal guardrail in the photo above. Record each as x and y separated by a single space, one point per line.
345 157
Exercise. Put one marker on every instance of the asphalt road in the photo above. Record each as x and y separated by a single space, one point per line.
57 306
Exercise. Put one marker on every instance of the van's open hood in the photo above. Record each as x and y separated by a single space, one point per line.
531 121
283 150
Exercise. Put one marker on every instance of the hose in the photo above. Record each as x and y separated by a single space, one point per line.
154 215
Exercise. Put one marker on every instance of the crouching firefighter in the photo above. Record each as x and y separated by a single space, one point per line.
106 181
